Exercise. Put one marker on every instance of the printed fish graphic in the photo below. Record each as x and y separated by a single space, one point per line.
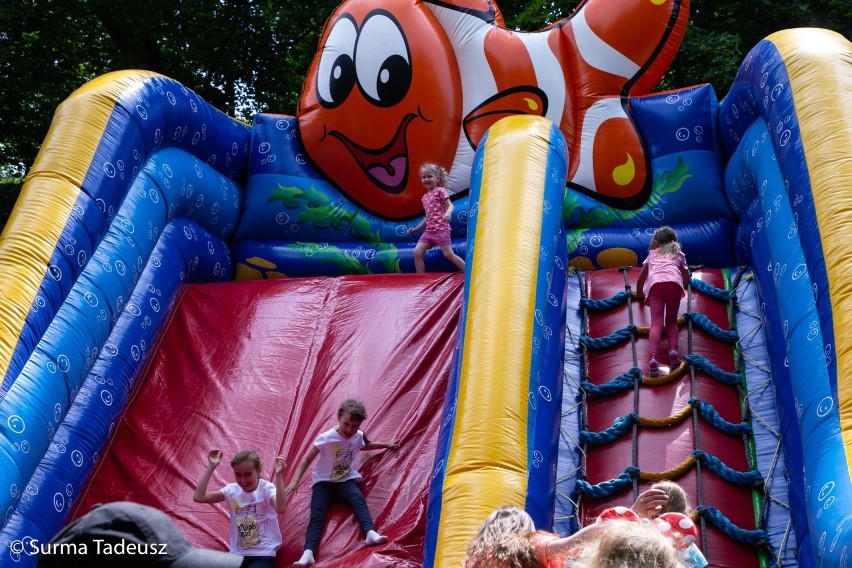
401 82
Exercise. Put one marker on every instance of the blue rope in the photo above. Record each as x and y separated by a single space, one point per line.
712 416
607 304
715 465
607 488
611 340
702 321
709 290
757 537
616 385
703 364
611 434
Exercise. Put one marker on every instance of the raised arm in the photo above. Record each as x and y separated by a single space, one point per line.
300 471
279 502
650 503
201 495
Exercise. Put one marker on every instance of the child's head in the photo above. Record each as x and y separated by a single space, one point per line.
439 173
504 520
629 544
665 239
247 467
678 499
355 408
349 417
503 541
512 551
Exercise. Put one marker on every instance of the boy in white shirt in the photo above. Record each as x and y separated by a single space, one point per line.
334 476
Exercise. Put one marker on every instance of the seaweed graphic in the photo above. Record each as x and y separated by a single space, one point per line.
603 215
332 254
386 256
315 208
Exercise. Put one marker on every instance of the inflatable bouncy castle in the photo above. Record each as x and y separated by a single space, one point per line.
173 280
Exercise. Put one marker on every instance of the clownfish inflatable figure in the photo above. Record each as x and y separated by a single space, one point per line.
400 82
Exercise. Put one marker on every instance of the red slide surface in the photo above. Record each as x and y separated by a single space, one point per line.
665 448
265 365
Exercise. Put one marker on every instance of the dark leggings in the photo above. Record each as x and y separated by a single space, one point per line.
322 494
258 562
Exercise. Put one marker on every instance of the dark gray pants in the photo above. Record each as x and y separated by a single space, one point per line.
322 494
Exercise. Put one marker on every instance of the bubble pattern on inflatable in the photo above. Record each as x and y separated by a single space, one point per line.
152 208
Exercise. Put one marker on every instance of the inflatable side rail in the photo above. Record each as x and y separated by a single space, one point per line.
769 444
99 140
127 155
81 332
788 126
499 437
184 253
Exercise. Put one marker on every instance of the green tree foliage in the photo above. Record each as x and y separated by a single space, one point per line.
532 15
722 32
47 49
243 56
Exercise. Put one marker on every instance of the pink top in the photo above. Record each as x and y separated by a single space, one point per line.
434 204
662 268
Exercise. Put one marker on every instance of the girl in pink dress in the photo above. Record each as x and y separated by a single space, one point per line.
438 209
662 281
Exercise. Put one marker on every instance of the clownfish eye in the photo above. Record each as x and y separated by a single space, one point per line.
336 70
382 60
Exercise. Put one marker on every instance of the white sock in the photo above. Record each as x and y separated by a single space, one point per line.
374 538
306 560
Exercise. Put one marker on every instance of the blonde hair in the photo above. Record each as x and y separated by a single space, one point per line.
439 172
629 544
666 239
678 499
503 541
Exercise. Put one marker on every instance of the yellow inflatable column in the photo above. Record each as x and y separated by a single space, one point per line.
819 64
488 455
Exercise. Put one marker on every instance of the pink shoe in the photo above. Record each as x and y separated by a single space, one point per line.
674 358
653 369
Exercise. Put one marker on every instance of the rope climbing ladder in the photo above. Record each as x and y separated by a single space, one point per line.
690 425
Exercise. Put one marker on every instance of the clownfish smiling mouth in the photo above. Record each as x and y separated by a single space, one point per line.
386 167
